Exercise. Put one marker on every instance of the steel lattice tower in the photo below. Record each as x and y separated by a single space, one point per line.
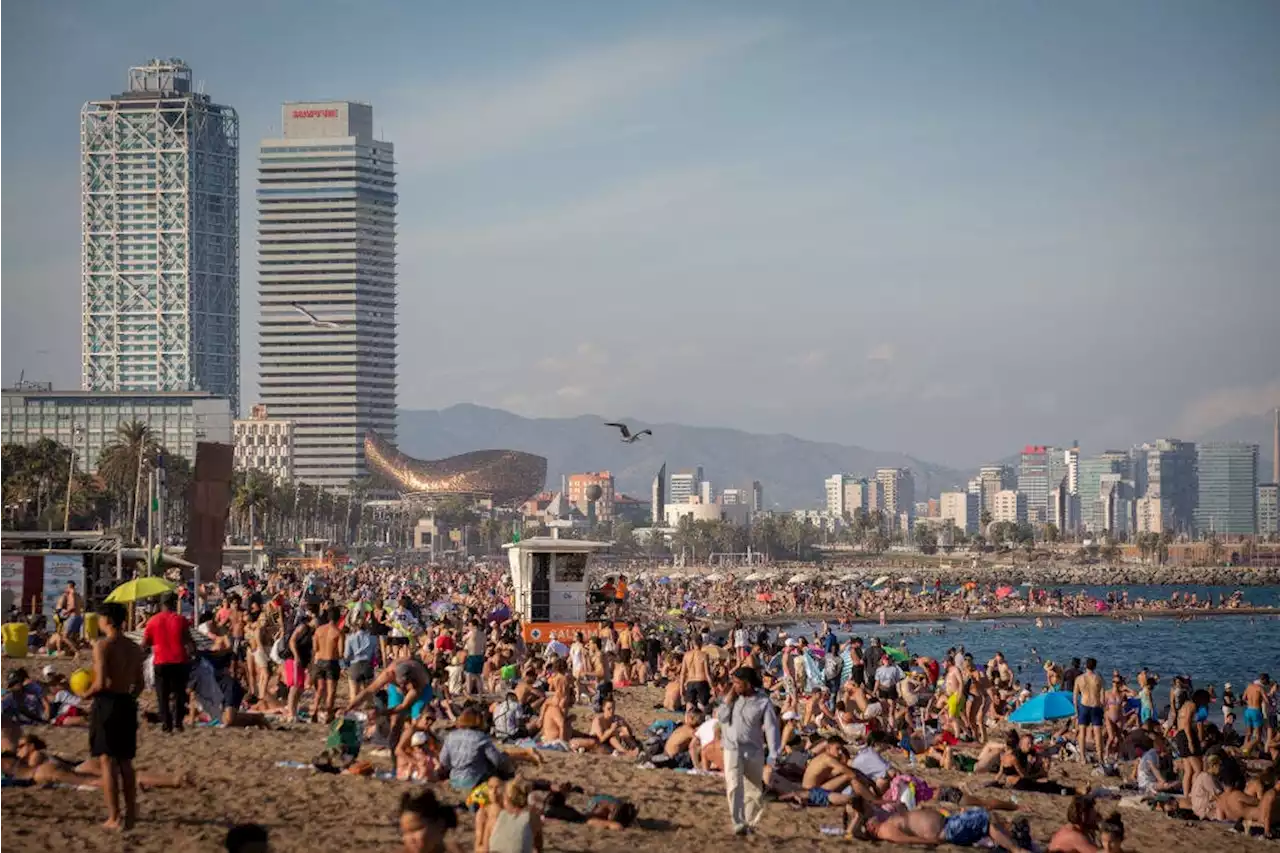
160 249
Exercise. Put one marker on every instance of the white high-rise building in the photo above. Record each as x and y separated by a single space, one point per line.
160 238
961 509
327 283
685 484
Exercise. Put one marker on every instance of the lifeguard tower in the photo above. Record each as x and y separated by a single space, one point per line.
551 588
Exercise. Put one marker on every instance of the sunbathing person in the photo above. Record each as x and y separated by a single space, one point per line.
926 827
1080 833
32 761
611 732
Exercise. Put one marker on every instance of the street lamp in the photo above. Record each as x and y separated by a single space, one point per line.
76 432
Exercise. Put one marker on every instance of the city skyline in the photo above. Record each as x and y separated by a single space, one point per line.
560 165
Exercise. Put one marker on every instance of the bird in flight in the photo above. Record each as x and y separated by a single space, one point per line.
627 437
313 319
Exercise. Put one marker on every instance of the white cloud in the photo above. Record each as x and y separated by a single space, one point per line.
572 392
467 120
1226 405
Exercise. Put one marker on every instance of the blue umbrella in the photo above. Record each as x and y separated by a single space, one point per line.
1055 705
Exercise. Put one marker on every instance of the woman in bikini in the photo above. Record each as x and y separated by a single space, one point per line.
1113 705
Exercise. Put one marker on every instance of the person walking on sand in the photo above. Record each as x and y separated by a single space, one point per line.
750 737
113 715
168 636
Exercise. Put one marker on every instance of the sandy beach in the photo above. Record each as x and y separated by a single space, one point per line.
237 780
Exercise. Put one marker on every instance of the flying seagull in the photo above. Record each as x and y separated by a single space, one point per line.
627 437
313 319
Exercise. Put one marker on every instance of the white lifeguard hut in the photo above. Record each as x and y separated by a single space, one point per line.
552 594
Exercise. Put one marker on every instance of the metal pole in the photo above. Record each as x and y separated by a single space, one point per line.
151 491
71 472
251 524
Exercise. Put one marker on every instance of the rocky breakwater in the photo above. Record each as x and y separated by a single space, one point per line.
1099 574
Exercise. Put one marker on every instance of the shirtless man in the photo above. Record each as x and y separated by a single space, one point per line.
1255 716
1087 692
414 682
526 693
610 731
1187 739
327 668
1081 829
70 606
678 743
561 686
893 822
113 731
695 682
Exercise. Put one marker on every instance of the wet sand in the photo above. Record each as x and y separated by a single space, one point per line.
237 781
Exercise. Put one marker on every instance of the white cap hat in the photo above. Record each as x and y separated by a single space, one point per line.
49 672
418 739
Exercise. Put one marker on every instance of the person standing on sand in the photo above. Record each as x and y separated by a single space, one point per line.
113 715
1255 715
1087 692
695 682
168 637
750 737
327 668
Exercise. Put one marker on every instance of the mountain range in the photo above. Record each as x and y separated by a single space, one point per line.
790 469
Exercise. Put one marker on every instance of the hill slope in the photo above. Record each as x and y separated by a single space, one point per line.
790 469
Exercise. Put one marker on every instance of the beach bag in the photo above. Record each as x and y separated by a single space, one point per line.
280 651
831 668
344 735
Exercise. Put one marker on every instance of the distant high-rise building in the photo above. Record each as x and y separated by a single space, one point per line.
160 239
1009 506
734 497
835 487
1071 457
705 492
684 485
1227 475
995 479
577 490
1268 509
757 496
327 285
1064 507
1094 512
961 509
1115 504
658 496
1164 475
898 486
1040 467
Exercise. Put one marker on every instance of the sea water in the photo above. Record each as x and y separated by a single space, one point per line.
1210 649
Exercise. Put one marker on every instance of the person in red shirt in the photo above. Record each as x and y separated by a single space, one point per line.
444 643
168 636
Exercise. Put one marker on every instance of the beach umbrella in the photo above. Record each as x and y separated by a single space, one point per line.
714 577
664 581
907 579
1004 592
897 655
1055 705
798 578
138 589
880 581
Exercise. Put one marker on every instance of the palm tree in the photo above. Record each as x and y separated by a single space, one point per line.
252 499
1216 550
123 463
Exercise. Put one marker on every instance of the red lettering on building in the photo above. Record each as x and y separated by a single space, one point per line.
315 113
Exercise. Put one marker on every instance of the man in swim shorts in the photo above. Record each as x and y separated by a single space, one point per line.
1255 718
113 716
1087 692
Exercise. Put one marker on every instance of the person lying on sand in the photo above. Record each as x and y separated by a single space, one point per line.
32 761
926 827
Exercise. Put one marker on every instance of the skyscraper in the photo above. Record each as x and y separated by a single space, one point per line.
160 238
1227 475
658 496
684 485
1096 502
994 479
1164 475
327 285
898 487
1039 468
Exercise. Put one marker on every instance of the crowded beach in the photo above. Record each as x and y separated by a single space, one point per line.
408 708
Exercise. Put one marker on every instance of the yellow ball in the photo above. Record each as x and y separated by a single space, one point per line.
81 680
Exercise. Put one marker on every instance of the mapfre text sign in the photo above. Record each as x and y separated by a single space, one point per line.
315 114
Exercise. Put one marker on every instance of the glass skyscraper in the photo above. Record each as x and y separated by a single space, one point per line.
1227 474
160 241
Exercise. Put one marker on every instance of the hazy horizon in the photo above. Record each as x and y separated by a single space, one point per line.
945 230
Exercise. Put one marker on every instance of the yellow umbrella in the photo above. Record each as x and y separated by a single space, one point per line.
139 588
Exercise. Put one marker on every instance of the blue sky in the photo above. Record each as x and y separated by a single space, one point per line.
944 228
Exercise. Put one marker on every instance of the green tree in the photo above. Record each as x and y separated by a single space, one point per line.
1051 533
926 539
125 462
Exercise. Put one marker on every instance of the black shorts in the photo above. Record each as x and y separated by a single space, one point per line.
113 726
397 642
326 670
887 694
624 654
697 693
1185 749
360 672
